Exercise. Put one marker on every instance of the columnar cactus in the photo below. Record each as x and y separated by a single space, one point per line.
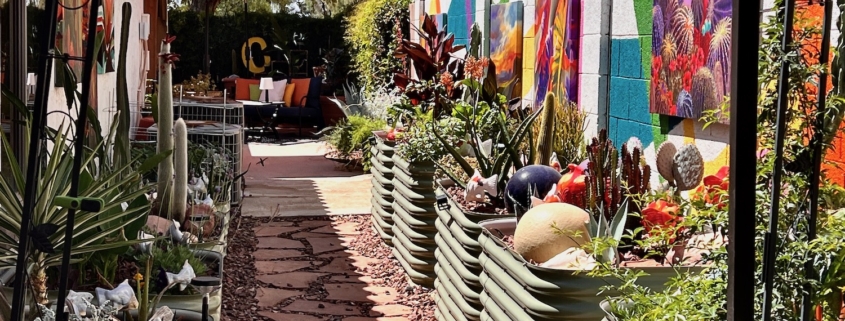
603 195
635 173
165 123
545 141
180 162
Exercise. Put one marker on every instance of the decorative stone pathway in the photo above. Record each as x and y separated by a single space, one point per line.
307 273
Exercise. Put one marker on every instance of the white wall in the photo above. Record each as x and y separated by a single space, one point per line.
107 83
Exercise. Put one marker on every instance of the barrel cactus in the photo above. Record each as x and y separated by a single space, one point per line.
684 105
703 92
668 49
683 28
722 87
720 49
699 13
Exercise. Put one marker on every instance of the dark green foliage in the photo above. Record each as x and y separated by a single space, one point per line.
122 153
172 258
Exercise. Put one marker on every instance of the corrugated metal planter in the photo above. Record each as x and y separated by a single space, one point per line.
517 290
413 219
457 255
382 190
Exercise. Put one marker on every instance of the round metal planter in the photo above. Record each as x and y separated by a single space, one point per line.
413 219
382 191
515 289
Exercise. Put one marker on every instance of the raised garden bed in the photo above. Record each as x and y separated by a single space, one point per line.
413 219
515 289
382 191
458 250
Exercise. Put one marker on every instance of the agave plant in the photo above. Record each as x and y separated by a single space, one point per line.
114 228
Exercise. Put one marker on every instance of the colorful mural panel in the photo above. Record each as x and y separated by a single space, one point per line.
691 56
506 46
558 42
105 26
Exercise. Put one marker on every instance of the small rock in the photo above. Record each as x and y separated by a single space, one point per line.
321 306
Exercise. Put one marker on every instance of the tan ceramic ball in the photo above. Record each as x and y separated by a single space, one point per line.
536 240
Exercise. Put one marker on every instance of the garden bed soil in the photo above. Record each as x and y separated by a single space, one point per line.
495 207
353 161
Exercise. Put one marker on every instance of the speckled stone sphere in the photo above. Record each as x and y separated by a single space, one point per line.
536 240
529 180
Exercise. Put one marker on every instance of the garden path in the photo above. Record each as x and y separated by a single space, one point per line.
298 249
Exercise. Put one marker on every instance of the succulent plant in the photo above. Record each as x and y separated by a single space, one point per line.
683 28
682 168
657 30
703 92
547 128
722 88
603 193
684 105
180 168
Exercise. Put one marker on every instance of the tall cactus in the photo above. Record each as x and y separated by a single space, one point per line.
122 154
545 141
180 166
165 124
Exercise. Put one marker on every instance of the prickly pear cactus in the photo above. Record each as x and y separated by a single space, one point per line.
689 167
666 161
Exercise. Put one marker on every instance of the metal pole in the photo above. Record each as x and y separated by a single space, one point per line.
16 75
818 142
743 160
771 238
42 92
78 144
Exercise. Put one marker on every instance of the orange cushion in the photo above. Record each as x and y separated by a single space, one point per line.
300 91
288 97
242 88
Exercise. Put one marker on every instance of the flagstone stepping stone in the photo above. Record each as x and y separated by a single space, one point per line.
323 245
390 310
289 317
276 267
345 253
347 265
270 297
354 292
339 229
375 319
360 279
322 308
279 243
314 223
267 254
302 235
274 230
296 280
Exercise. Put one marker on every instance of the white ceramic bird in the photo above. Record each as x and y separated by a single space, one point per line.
147 246
554 162
162 314
477 186
77 303
174 232
551 197
123 296
183 278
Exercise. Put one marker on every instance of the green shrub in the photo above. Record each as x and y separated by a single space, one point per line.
352 135
172 259
372 33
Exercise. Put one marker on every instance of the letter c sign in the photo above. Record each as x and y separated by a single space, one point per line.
252 62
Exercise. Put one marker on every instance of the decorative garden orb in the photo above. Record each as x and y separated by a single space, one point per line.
535 239
527 181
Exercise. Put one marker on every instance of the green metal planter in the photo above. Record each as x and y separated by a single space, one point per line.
382 191
515 289
413 219
457 255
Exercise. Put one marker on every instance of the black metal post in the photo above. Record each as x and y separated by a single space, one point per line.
205 307
78 154
771 238
745 36
39 112
818 146
16 75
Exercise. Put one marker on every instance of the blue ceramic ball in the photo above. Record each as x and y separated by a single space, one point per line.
527 181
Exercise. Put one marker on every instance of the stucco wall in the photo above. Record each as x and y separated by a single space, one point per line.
107 82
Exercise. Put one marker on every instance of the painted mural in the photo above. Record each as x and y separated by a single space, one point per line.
105 26
72 31
558 27
506 46
691 53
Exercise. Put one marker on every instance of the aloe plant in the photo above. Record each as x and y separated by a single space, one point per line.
615 231
114 228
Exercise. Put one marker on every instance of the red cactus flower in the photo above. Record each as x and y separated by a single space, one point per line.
660 213
169 39
714 185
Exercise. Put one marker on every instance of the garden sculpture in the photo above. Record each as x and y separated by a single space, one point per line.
123 296
477 186
183 278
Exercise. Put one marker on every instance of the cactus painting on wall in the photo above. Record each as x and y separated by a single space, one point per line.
506 46
105 25
691 56
558 43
